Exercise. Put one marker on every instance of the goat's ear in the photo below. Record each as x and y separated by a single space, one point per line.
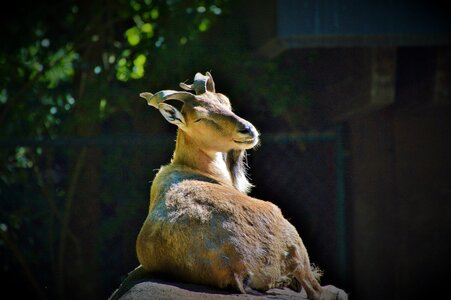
172 115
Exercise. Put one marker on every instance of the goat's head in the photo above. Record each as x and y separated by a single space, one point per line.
206 117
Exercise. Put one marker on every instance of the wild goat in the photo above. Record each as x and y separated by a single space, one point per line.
201 226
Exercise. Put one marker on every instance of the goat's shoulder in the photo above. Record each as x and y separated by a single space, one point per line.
210 202
220 197
181 186
170 176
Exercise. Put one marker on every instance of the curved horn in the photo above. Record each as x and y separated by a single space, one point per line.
210 83
161 96
202 83
186 87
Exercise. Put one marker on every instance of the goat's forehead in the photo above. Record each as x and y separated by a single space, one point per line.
212 103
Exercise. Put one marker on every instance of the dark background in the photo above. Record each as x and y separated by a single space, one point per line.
352 99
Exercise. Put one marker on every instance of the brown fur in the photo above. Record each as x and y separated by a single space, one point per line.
201 226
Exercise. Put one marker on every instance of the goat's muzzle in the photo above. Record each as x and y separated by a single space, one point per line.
246 135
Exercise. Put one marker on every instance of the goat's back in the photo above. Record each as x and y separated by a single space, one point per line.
203 232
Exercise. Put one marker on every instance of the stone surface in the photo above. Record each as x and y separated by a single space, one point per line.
164 290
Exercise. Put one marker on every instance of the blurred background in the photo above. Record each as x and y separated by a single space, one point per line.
352 99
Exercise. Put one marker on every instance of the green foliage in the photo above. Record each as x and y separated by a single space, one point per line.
76 70
65 77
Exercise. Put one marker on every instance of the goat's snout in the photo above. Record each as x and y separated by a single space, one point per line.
247 135
245 129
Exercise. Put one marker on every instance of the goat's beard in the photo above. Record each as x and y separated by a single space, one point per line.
236 161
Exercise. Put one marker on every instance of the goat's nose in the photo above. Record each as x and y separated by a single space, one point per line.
246 129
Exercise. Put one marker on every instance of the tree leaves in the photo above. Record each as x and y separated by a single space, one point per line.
133 36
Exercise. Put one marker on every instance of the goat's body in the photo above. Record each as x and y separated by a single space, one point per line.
203 232
201 226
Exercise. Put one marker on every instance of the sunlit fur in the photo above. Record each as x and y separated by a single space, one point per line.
202 227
